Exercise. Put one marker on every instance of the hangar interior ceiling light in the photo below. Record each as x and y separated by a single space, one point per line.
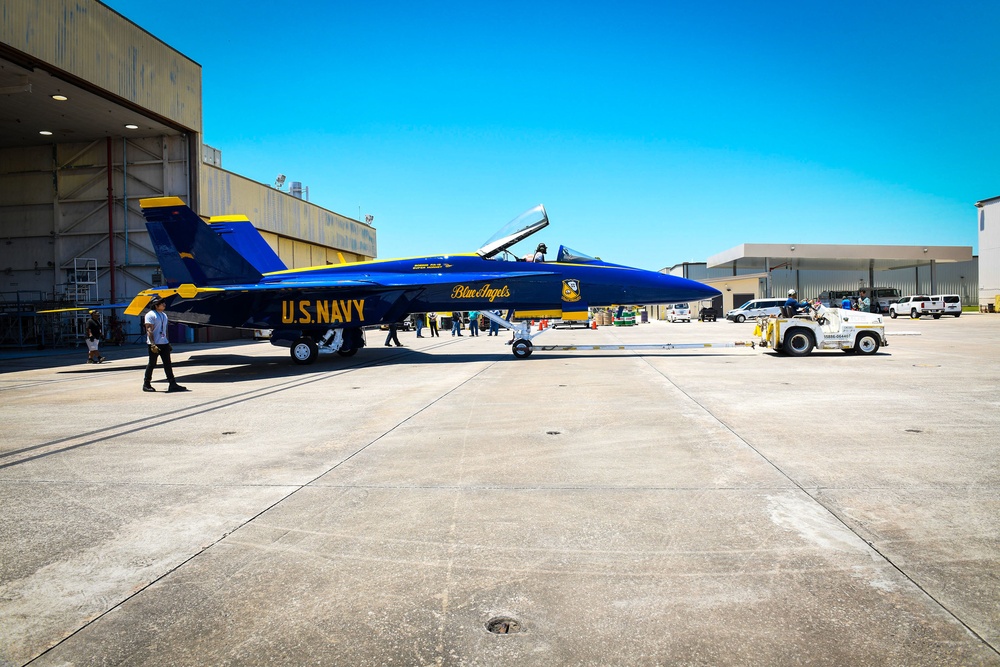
94 115
131 126
45 132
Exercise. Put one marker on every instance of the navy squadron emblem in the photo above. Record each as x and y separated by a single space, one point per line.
571 290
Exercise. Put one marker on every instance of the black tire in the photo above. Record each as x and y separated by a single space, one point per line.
521 348
866 343
798 342
350 352
304 351
957 315
892 314
740 319
936 316
914 314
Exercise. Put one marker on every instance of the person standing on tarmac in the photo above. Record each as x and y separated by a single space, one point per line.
494 327
158 345
392 337
432 323
864 303
95 334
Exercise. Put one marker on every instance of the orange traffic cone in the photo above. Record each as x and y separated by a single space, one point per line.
593 324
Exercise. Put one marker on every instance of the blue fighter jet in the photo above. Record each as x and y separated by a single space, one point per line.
223 273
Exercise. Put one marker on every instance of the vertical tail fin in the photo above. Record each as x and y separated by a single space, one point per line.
190 252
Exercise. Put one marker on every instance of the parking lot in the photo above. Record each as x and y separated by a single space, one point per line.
406 506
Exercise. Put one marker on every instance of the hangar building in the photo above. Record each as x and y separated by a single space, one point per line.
95 114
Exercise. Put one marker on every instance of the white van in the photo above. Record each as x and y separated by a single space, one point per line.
756 308
952 303
678 312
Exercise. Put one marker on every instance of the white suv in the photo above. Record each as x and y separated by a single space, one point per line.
678 312
952 303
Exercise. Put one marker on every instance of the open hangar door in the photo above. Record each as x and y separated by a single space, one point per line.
73 165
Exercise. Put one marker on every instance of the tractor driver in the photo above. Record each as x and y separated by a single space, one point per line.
794 306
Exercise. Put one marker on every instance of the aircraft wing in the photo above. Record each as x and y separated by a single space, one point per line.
111 306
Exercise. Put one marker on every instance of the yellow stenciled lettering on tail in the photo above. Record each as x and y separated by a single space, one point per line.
305 317
322 312
287 312
359 304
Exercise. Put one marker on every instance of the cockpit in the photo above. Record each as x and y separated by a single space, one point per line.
498 246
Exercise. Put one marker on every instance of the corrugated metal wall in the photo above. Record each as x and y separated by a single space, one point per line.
293 220
952 278
90 41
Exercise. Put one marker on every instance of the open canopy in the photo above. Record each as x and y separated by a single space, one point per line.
516 230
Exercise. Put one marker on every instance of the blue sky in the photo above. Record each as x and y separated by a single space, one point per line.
653 132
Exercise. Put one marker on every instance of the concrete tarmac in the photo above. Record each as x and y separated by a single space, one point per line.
406 506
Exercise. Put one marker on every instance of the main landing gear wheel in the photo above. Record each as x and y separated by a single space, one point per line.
798 342
866 344
521 348
304 351
348 353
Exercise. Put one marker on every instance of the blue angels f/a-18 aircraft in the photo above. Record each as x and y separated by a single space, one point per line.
221 272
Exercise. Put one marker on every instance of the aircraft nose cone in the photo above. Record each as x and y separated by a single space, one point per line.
706 291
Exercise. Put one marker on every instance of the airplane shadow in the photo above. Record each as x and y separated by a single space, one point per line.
219 368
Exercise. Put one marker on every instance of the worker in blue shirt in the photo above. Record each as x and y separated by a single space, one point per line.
794 305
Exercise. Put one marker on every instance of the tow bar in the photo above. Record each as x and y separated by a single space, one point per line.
522 346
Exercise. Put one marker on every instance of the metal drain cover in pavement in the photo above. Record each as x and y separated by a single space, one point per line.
503 625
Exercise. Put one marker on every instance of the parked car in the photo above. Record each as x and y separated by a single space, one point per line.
707 314
756 308
678 312
916 306
952 303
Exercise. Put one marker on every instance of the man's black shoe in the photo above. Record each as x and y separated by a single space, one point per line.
146 387
176 387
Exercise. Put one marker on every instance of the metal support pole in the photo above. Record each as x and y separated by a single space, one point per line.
111 225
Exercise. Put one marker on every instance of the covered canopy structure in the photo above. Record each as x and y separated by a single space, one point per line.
867 259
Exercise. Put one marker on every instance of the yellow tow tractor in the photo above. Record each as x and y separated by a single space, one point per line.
822 328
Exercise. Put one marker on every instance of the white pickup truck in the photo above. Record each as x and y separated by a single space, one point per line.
915 306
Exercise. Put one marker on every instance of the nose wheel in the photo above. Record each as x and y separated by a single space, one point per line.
521 348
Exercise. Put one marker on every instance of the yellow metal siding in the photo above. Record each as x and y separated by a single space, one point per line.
226 193
98 45
286 252
301 255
